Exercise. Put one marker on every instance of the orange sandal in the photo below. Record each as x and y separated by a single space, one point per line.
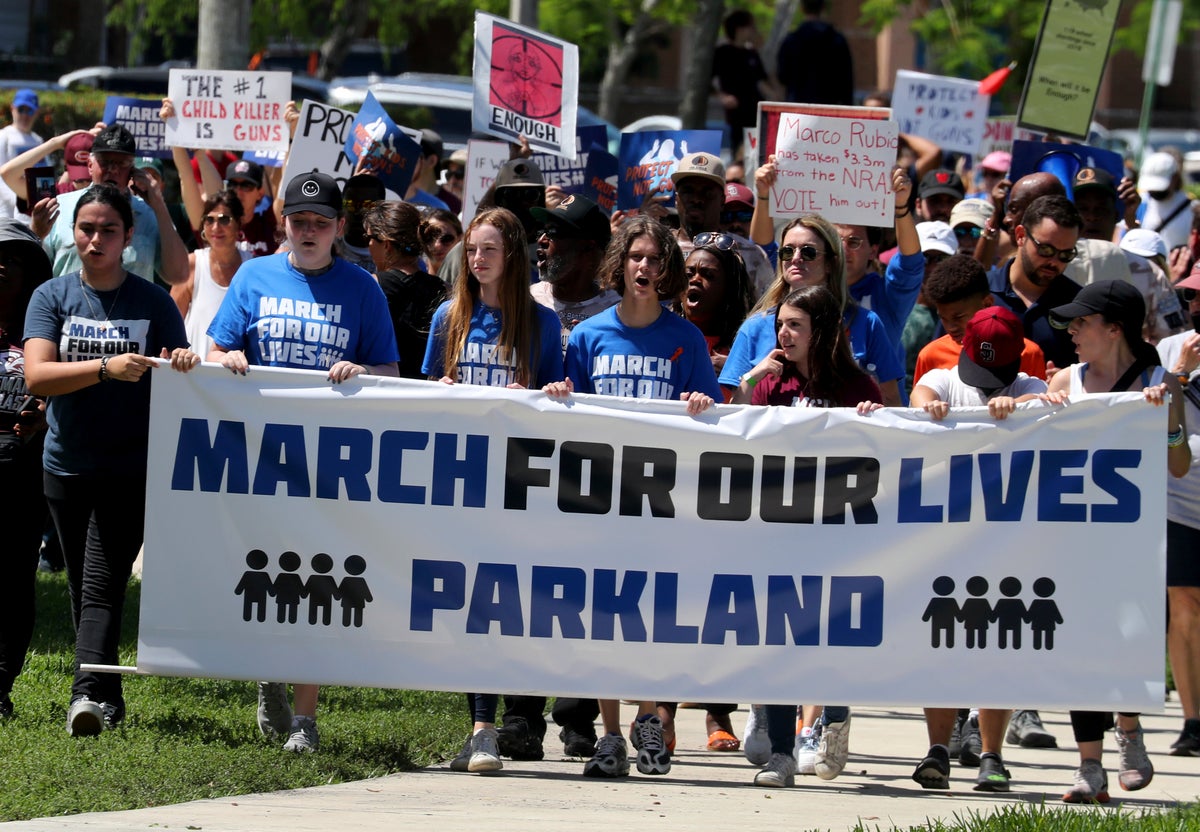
722 740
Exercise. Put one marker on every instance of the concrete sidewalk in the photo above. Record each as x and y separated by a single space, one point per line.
704 790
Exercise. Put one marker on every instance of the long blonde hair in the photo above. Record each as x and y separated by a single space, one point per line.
835 260
518 313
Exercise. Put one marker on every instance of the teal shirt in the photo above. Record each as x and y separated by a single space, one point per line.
143 255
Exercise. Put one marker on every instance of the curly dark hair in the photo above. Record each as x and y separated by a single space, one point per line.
671 283
956 278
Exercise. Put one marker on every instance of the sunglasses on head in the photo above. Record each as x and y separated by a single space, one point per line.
736 216
807 253
972 231
717 239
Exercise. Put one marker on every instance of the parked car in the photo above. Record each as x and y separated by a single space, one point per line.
153 81
440 102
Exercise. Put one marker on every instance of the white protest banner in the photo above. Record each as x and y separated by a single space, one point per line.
228 109
948 111
838 167
484 160
318 144
526 84
393 533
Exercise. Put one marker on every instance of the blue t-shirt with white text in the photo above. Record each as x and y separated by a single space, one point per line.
482 361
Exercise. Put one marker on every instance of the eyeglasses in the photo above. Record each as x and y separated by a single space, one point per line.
1064 255
736 216
374 238
972 231
222 220
433 239
807 253
242 185
653 262
109 163
852 243
716 239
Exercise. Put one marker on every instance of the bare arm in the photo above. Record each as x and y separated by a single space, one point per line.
181 293
906 225
929 155
762 228
13 171
210 178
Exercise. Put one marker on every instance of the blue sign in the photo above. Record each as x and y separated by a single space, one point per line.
600 180
384 148
570 174
140 117
649 158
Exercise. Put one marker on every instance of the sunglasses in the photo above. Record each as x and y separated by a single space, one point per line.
807 253
972 231
1189 295
555 232
434 239
1064 255
717 239
454 174
853 243
242 185
222 220
736 216
26 111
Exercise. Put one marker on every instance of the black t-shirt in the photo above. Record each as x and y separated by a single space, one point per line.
738 71
412 300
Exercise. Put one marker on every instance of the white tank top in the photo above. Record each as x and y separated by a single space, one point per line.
1077 371
206 300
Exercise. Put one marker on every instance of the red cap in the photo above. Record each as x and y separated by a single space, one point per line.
738 194
991 349
76 155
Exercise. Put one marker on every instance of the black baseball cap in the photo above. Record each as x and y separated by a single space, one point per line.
576 217
941 181
316 192
1117 300
246 170
114 139
1095 178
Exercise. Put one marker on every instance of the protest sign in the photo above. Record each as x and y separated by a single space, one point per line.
750 150
228 109
384 149
484 160
649 157
601 180
319 143
1068 64
1000 132
267 158
140 117
926 546
568 172
835 166
948 111
526 84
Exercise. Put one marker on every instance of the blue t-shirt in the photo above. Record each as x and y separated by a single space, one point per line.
481 361
104 427
756 338
892 297
660 361
280 317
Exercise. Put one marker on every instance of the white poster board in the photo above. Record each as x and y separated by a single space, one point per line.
947 111
228 109
484 160
318 144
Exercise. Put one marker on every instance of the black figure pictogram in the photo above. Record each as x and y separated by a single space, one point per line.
1043 615
942 612
255 586
354 592
289 588
320 589
976 613
1009 614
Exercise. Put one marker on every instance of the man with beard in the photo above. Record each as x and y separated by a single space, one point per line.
1032 283
1026 189
940 191
570 247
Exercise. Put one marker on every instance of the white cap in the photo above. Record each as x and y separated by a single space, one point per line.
1157 172
1144 242
971 211
937 236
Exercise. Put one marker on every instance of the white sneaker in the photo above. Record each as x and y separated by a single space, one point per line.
756 744
85 718
805 751
485 751
834 748
303 738
779 773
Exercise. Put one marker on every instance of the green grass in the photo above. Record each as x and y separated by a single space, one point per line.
1027 818
186 739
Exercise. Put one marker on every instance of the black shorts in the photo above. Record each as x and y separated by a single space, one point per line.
1183 555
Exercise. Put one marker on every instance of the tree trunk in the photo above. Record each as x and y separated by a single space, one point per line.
622 50
224 34
698 80
781 25
350 25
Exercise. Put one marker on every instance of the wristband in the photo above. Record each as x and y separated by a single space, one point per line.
907 211
1174 440
104 376
761 196
748 380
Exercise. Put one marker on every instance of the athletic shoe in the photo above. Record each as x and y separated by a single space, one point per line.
518 742
956 735
485 751
85 718
6 707
833 749
274 711
993 776
576 743
972 743
1134 769
114 715
934 771
1188 744
805 752
1091 784
653 755
1026 730
304 738
756 743
610 760
463 760
779 773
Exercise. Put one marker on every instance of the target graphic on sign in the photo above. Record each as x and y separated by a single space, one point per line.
527 75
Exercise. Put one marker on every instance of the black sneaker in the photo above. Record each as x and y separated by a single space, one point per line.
956 734
578 743
114 714
518 742
934 771
993 776
1188 744
972 743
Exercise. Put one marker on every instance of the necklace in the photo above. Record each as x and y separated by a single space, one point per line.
107 319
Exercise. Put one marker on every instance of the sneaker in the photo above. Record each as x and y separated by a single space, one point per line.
833 749
517 742
1134 769
653 755
463 760
934 771
956 734
779 773
6 707
485 751
85 718
610 760
577 743
114 715
274 710
993 776
1091 784
805 752
1026 730
1188 744
972 744
303 737
756 744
